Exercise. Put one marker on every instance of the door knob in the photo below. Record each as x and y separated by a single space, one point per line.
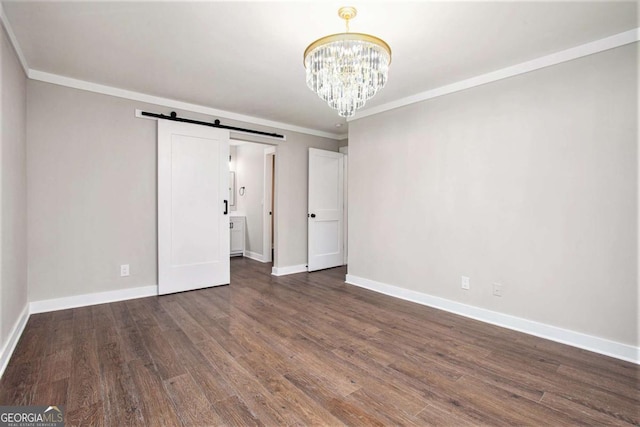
313 215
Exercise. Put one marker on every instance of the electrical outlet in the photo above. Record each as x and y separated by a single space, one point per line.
465 282
124 270
497 290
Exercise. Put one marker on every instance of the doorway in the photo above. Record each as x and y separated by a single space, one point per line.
255 194
269 204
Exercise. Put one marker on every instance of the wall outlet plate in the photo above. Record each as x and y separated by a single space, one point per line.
497 290
465 283
124 270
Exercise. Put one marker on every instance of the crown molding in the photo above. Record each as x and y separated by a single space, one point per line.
580 51
172 103
14 41
617 40
142 97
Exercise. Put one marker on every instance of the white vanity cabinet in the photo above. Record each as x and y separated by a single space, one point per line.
236 228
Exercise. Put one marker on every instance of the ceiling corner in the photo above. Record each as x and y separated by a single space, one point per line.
14 41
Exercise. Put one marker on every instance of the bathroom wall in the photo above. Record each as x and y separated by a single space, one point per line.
250 175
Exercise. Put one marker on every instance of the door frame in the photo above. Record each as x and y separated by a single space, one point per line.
345 205
269 193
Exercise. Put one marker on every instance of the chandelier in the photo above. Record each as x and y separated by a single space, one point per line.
346 69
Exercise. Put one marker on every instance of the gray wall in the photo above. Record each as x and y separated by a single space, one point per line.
92 192
530 182
13 189
251 176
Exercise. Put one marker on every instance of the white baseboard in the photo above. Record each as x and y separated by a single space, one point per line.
542 330
254 256
292 269
44 306
14 337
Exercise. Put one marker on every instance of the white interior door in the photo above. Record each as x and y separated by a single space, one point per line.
193 190
325 216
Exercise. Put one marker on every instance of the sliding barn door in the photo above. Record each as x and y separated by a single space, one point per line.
193 188
326 209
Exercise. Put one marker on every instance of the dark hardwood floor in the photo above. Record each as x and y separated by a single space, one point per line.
305 349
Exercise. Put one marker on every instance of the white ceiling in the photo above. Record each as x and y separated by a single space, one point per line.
246 57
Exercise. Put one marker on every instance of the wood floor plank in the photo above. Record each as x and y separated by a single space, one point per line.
213 385
581 359
308 410
364 375
585 414
156 406
305 349
104 322
82 319
389 411
120 395
234 412
494 374
60 333
56 366
132 345
390 386
224 331
90 415
499 404
605 380
85 387
191 405
19 382
200 305
321 391
255 396
33 342
313 361
351 414
166 360
51 393
436 416
186 322
121 315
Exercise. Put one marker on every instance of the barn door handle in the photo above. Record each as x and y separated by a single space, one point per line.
226 207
